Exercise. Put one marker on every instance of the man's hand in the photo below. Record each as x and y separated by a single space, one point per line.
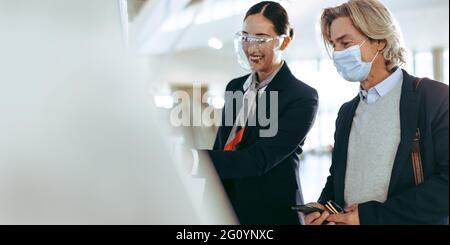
350 217
316 218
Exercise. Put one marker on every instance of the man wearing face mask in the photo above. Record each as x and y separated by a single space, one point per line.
390 158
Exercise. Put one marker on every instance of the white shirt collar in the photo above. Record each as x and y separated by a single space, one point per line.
382 88
250 78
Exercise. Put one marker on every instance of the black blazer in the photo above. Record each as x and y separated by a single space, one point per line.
260 178
406 203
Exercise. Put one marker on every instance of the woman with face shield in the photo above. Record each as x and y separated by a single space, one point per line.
258 161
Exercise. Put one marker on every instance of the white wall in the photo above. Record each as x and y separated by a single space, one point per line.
78 141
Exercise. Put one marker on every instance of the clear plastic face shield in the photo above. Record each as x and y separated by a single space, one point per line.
244 42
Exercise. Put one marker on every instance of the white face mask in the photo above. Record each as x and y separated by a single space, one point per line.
350 65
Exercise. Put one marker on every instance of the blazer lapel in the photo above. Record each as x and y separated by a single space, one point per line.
251 133
408 124
226 130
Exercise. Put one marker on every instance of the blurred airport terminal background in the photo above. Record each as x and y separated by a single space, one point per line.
86 94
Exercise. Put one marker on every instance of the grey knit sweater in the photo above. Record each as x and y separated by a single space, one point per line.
374 139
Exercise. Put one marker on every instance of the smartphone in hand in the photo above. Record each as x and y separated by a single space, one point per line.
306 209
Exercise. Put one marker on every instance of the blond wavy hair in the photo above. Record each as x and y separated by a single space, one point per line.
372 19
